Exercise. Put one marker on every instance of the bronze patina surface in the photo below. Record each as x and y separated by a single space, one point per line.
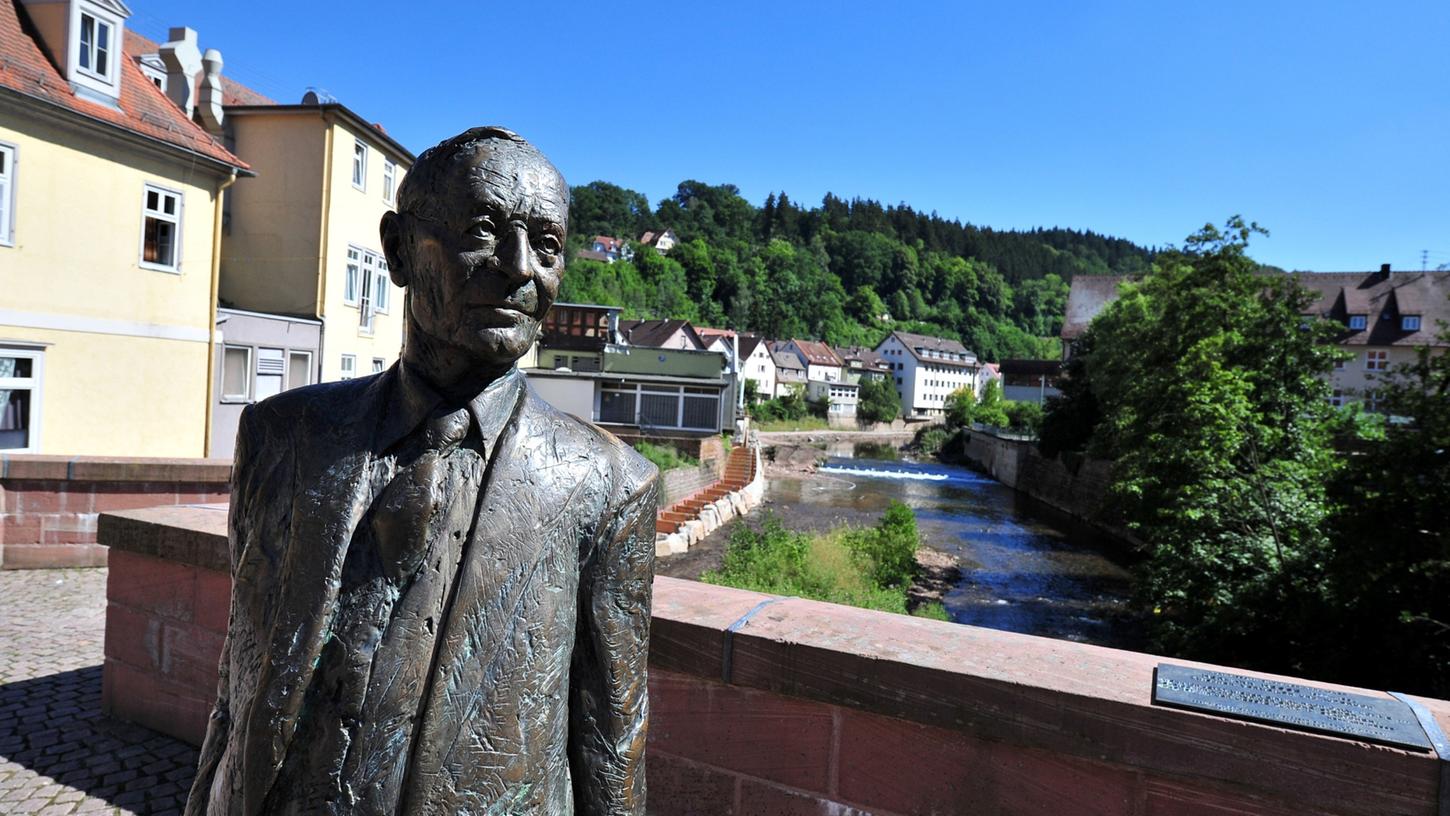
441 584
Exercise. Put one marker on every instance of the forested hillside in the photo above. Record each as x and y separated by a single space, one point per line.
845 272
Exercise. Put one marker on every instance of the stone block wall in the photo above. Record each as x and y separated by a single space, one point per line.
765 705
49 504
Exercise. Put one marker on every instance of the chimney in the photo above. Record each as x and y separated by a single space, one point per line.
210 102
1384 273
183 63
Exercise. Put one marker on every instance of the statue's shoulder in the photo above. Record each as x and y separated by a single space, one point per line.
335 404
623 462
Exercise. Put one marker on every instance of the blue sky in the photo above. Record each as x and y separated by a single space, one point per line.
1328 122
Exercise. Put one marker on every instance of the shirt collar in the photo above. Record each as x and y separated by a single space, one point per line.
413 399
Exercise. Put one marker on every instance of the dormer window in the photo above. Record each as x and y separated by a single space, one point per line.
1410 323
97 39
1358 322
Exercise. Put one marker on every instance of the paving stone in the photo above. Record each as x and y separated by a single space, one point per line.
58 753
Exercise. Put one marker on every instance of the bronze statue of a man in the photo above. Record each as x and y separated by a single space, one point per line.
441 584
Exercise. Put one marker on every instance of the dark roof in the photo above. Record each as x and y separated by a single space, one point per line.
651 238
1383 298
787 360
817 353
862 357
1088 296
651 333
918 343
748 342
592 255
27 71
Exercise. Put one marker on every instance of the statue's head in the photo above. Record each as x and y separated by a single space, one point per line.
478 241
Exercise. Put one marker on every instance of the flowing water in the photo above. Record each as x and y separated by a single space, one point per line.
1019 572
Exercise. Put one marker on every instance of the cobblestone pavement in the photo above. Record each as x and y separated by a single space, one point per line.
58 753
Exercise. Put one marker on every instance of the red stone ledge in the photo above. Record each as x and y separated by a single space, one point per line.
827 708
38 467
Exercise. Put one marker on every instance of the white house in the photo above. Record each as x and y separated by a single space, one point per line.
757 364
820 361
926 370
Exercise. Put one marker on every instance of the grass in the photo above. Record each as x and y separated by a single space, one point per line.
664 456
809 423
871 568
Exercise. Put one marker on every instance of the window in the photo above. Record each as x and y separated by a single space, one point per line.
390 173
1358 322
617 405
379 364
1410 323
7 194
96 46
299 369
1372 401
1376 360
271 368
236 373
359 165
349 366
350 282
380 286
20 399
160 228
561 361
1337 398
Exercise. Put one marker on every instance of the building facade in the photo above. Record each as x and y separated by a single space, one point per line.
926 370
304 237
111 210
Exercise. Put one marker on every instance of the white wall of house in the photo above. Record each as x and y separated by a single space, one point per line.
571 395
842 398
760 368
924 385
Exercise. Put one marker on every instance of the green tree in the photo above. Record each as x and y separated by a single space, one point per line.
991 407
878 400
1390 580
1215 411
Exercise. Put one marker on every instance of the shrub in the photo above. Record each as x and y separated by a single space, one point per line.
929 440
664 456
1024 416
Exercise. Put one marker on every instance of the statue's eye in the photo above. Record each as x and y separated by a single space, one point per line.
549 244
481 229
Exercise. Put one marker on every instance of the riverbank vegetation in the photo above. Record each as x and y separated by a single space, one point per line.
948 441
665 457
871 567
847 272
1281 533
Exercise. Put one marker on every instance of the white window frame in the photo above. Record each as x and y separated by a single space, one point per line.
379 365
360 164
348 366
35 384
390 181
7 193
352 275
1376 360
382 279
107 77
246 377
1410 323
286 381
146 212
1358 322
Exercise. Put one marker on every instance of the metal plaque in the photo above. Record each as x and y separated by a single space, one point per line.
1374 719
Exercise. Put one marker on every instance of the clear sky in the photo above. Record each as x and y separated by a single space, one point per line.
1328 122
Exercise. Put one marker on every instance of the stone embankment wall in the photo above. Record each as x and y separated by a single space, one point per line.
49 504
761 704
1079 493
680 483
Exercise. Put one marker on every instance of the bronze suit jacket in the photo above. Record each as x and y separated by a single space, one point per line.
535 701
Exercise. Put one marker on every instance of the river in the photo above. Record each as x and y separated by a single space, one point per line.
1019 572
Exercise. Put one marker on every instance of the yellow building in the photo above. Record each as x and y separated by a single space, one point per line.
303 235
110 207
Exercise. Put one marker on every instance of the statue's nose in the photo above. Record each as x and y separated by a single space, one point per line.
514 254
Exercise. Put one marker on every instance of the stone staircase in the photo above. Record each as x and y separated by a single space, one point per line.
739 472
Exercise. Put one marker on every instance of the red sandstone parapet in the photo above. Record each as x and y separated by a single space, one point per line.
49 504
815 708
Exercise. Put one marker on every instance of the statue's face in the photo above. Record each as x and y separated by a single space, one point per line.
487 269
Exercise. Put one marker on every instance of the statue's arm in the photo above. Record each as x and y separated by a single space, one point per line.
256 461
609 695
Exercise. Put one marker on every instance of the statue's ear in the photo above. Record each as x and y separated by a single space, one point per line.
391 230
